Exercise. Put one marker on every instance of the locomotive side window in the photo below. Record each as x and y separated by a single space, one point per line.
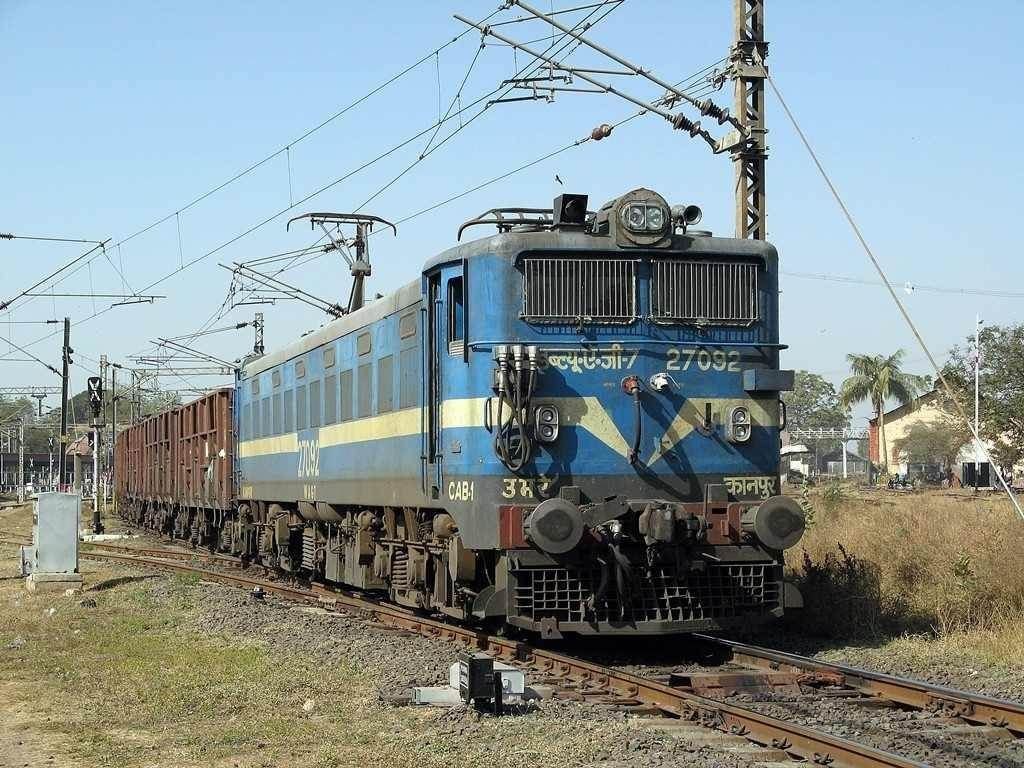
365 393
289 410
314 403
329 357
409 377
345 380
456 317
331 399
407 325
301 411
385 384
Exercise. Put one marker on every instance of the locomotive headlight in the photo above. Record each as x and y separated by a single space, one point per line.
545 422
655 218
739 424
634 217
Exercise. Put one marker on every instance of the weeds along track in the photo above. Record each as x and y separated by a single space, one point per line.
752 702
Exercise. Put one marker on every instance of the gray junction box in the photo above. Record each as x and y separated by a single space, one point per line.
53 556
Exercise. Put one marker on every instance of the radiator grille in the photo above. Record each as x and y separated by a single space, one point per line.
575 290
719 596
711 292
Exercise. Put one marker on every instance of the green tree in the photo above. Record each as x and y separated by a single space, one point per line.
938 442
814 404
1001 389
877 379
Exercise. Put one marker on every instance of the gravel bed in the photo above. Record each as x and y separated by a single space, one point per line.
395 661
909 733
954 669
914 734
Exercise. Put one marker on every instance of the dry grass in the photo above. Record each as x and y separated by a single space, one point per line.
124 684
943 562
121 685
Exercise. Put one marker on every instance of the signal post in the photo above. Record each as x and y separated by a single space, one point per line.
96 404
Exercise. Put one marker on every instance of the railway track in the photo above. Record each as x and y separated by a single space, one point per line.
683 705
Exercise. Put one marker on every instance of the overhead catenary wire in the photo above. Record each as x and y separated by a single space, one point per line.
892 293
192 262
535 64
6 304
429 149
260 224
26 352
910 286
259 163
559 12
286 147
46 238
407 218
183 266
705 107
678 121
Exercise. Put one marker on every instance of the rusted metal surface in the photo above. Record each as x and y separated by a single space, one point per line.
171 554
971 707
587 679
182 456
719 685
205 451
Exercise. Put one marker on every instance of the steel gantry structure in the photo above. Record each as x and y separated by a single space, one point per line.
748 72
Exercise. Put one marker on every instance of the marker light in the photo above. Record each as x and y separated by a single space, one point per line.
739 424
545 420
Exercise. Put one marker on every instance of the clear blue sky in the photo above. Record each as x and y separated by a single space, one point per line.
117 114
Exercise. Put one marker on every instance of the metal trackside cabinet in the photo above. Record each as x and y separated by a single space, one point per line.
53 560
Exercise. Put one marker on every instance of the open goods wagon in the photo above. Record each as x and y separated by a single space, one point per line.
181 458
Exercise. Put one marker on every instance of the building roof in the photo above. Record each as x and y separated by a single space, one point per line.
794 449
837 456
902 410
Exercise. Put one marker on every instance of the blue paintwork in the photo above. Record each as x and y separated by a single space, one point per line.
392 470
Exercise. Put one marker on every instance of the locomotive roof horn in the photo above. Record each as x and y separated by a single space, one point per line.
359 266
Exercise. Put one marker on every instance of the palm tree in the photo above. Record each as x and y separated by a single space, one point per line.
878 378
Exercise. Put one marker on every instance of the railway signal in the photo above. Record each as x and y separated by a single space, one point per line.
95 384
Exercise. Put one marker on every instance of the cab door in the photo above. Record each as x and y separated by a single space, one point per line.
446 355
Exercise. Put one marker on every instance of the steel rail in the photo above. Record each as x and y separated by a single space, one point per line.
971 707
176 554
799 741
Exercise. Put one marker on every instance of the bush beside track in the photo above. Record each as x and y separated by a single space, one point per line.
876 564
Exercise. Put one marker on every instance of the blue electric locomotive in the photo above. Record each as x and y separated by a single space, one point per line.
570 426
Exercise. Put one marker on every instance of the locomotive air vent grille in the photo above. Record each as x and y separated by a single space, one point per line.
704 292
579 290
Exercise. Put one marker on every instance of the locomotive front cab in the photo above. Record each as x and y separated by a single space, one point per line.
624 369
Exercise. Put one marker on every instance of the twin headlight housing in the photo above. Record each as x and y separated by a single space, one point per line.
643 217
